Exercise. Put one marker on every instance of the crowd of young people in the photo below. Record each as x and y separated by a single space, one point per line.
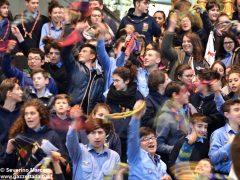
80 68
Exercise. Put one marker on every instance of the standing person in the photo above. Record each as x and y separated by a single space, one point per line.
90 90
54 28
151 62
30 128
10 99
157 83
143 161
31 23
226 52
55 67
35 61
5 31
107 19
222 138
193 147
112 141
143 23
94 161
122 96
207 98
190 53
173 119
185 74
161 20
39 90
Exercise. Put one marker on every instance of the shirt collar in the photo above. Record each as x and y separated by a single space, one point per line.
90 148
46 93
229 129
52 26
200 139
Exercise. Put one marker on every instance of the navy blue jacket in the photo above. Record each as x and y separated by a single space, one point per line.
145 25
79 81
154 101
12 160
7 118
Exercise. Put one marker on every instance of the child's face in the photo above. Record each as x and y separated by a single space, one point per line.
101 112
203 167
234 114
234 82
200 128
61 106
39 81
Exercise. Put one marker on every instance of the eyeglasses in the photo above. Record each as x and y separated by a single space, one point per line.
147 139
34 59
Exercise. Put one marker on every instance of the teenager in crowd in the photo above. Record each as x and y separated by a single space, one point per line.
222 138
54 28
25 146
122 96
173 119
191 52
10 98
141 20
35 61
193 147
94 161
142 146
157 83
112 141
39 90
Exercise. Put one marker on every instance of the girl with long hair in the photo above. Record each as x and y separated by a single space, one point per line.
28 135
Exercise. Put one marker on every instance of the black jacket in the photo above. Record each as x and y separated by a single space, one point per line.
206 106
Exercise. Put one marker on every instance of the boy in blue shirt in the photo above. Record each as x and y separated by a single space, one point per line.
221 139
143 161
94 161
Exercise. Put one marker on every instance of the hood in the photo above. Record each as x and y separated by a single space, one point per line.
136 19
